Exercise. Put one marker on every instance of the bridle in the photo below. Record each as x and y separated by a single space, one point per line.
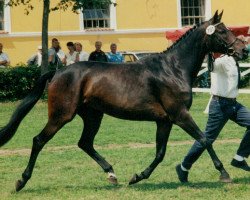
228 47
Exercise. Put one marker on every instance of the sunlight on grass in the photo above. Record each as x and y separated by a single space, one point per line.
69 173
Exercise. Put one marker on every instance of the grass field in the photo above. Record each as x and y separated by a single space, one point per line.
63 171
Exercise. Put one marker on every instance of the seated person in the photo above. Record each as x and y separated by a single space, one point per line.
114 56
4 58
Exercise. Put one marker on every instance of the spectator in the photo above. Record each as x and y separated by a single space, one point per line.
59 52
72 56
114 56
4 58
83 55
98 54
36 59
54 60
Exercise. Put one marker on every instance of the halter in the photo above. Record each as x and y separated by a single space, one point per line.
212 32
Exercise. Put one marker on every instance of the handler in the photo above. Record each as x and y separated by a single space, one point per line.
224 106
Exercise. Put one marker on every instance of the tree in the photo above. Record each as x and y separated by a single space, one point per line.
75 6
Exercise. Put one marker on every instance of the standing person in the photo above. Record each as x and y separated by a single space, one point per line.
36 59
4 58
72 56
60 54
83 55
53 58
113 55
223 107
98 54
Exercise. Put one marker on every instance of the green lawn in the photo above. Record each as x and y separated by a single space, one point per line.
63 171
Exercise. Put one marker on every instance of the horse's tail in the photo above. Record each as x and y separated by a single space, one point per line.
7 132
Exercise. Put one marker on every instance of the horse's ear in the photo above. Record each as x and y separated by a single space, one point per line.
220 16
214 19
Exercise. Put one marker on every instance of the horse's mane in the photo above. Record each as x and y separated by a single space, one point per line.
188 33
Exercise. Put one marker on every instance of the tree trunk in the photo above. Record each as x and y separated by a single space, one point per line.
45 22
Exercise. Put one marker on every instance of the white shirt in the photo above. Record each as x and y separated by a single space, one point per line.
4 57
83 56
39 59
224 77
61 54
52 52
70 59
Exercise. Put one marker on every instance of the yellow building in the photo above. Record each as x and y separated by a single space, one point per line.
132 24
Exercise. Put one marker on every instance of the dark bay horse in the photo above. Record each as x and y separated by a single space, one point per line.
157 88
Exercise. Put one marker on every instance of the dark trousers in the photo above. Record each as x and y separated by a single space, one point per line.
220 111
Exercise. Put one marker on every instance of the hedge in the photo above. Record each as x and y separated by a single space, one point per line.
16 83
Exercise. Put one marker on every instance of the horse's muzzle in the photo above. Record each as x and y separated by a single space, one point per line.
237 55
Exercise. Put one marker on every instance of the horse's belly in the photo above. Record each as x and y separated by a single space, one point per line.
131 111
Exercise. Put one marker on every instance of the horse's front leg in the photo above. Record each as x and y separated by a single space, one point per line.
186 122
162 135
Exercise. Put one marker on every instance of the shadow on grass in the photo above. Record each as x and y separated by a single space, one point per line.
175 185
140 186
242 180
70 188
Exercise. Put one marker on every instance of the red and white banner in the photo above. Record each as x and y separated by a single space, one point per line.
237 30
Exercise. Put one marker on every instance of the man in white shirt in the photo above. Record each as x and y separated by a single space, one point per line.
4 58
224 88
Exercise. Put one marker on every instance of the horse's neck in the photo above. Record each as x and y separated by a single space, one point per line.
190 55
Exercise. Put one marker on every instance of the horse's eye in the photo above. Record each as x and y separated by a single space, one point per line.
222 31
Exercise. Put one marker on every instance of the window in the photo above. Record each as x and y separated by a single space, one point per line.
4 16
192 12
2 6
96 18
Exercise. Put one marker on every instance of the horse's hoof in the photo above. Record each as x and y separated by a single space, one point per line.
134 179
19 185
225 179
112 178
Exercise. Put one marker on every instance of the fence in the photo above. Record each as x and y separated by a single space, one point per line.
243 74
207 90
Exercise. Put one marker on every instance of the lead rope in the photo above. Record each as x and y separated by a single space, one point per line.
210 62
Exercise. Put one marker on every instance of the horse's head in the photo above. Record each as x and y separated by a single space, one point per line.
220 39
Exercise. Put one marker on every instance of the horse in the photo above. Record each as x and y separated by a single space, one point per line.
157 88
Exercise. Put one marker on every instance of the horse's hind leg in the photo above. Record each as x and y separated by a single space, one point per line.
92 121
162 134
186 122
38 143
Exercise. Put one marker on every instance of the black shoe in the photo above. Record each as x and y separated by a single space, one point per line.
240 164
182 175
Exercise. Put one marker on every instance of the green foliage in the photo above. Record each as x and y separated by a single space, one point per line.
75 5
16 83
245 81
82 4
27 3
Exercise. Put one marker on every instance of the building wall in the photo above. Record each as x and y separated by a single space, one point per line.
136 14
141 25
235 12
